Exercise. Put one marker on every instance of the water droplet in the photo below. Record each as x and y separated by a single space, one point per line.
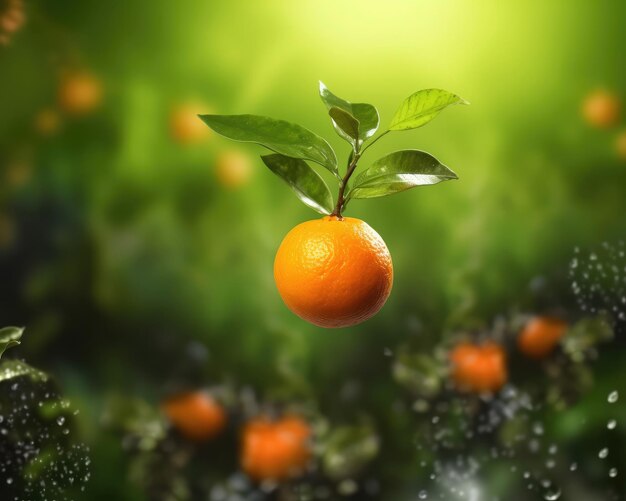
422 495
9 480
538 429
573 467
603 453
613 472
552 449
552 494
611 424
60 420
387 352
613 397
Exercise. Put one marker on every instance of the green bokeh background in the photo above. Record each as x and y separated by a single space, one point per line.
128 253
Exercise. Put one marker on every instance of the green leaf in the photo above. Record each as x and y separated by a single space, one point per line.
421 107
11 369
419 372
346 122
303 180
399 171
348 449
9 336
365 114
282 137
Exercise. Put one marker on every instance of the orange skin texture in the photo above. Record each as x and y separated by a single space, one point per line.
479 368
185 125
620 145
540 336
80 94
333 272
233 169
275 450
195 415
601 109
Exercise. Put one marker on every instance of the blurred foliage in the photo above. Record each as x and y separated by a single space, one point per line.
141 268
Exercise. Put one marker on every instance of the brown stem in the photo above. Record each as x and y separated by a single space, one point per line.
344 184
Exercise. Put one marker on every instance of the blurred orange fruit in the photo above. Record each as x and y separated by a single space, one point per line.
196 415
479 368
80 93
185 125
47 122
601 109
275 450
233 168
620 145
540 336
333 272
12 18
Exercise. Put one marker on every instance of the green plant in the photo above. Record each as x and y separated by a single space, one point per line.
357 123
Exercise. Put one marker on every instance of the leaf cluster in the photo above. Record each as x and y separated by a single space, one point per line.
295 148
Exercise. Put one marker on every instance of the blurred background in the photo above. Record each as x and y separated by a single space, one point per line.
136 247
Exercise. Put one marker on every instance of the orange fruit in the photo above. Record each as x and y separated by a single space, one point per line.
540 336
479 368
185 125
620 145
275 450
233 168
601 109
333 272
196 415
80 93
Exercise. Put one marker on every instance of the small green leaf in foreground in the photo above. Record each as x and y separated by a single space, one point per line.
365 114
303 180
9 336
420 108
399 171
280 136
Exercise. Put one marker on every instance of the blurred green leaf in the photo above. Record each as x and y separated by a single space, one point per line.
420 373
280 136
10 369
585 334
9 336
365 114
134 416
348 449
303 180
420 108
346 122
399 171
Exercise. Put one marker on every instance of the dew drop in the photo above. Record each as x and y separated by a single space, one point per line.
552 494
613 397
611 424
422 495
613 472
603 453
